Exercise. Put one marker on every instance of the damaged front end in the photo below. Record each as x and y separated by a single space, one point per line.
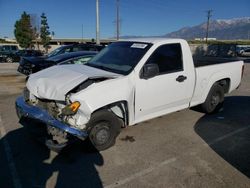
47 100
50 113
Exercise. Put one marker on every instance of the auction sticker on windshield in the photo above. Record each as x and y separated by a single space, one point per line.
139 45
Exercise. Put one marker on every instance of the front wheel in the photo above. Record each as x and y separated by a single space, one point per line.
214 100
103 128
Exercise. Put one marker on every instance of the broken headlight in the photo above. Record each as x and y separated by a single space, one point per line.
71 109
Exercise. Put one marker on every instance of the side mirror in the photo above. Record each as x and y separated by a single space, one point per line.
149 71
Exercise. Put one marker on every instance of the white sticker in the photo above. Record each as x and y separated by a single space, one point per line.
139 45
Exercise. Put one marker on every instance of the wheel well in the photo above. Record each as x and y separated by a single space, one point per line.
225 83
120 109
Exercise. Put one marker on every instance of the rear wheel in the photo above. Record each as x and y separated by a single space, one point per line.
103 128
214 100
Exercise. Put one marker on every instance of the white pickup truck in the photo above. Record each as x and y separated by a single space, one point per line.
128 82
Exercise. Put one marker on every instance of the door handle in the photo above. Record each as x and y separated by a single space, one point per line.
181 78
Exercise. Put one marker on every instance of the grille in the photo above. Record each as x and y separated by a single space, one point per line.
50 106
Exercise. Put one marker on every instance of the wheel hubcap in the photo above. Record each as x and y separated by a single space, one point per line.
215 100
102 136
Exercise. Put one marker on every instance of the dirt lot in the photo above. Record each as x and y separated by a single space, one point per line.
183 149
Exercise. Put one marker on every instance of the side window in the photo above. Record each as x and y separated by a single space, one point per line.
92 49
82 60
76 49
88 48
168 57
6 48
67 50
84 48
78 60
14 48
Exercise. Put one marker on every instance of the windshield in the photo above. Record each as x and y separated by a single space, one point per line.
120 57
55 52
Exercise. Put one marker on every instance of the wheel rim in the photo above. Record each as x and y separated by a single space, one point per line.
215 100
102 135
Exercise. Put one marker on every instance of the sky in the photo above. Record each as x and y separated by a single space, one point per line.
77 18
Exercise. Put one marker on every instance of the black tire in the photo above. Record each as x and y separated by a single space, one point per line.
9 60
214 100
103 128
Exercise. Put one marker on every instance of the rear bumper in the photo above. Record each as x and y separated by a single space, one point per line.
28 111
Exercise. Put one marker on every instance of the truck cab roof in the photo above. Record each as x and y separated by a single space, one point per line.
155 40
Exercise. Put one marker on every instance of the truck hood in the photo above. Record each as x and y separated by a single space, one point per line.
55 82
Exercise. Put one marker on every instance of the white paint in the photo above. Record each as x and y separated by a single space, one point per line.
13 171
56 81
141 173
162 94
107 92
206 76
227 135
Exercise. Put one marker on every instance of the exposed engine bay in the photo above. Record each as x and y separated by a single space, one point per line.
55 109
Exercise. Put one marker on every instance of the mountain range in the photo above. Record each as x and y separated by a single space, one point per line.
230 29
237 28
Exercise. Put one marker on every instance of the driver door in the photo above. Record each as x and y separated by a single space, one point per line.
166 92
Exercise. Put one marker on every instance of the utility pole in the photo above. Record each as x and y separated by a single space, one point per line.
117 20
209 14
82 33
97 23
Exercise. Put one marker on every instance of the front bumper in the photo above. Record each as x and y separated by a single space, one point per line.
28 111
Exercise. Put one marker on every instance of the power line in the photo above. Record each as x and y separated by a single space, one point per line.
209 14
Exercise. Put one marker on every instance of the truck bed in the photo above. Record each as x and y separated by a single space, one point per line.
207 75
205 61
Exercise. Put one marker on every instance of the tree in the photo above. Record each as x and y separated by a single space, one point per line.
44 32
23 31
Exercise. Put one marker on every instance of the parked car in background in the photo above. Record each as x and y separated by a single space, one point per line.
8 53
66 49
29 53
31 65
75 48
245 52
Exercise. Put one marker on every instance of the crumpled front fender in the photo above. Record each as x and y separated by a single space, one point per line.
23 109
